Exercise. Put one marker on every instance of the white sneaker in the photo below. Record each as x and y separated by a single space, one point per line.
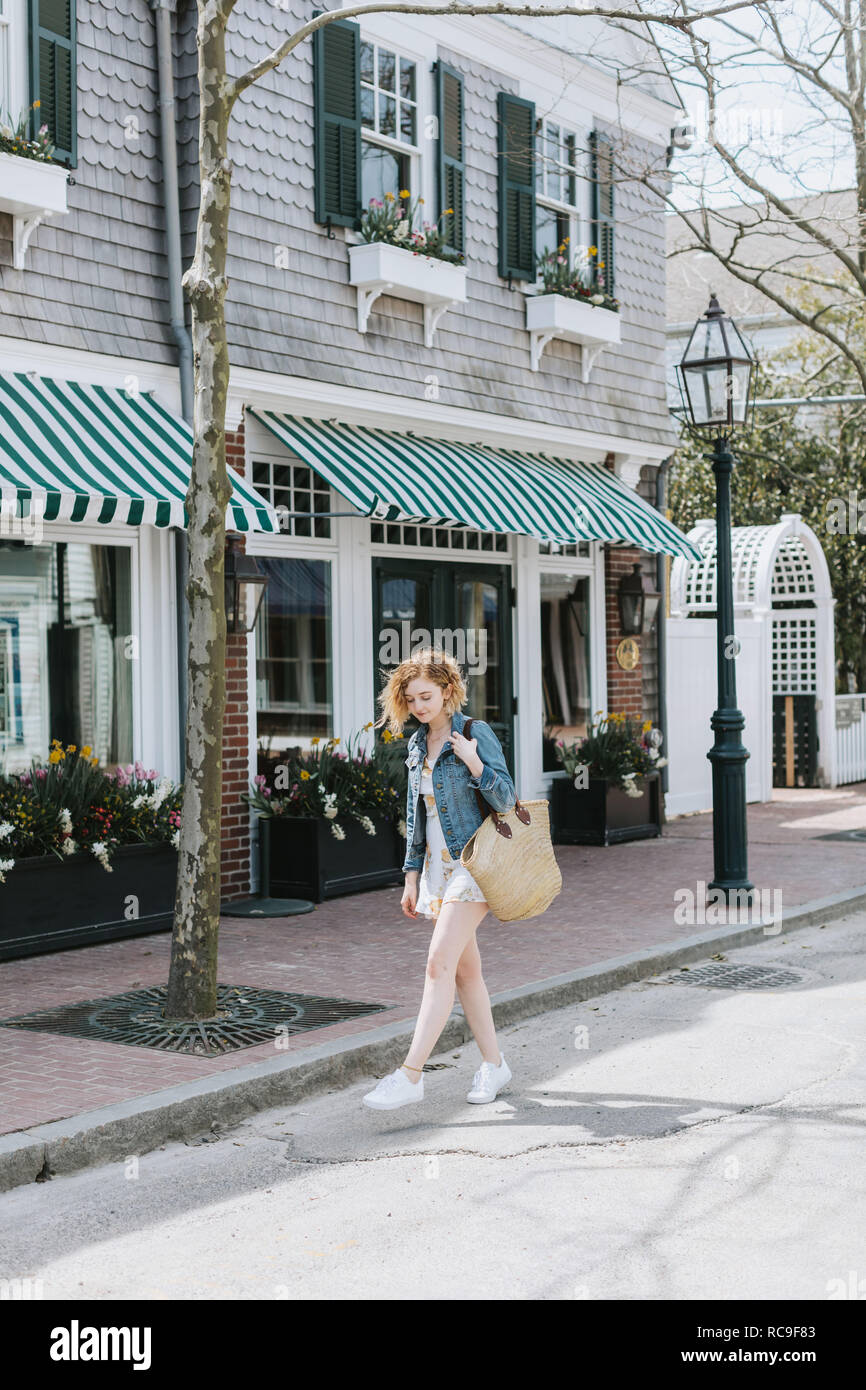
488 1080
394 1090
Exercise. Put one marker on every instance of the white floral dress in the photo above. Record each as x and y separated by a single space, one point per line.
443 879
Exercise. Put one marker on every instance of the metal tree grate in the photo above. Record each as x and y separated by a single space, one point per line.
720 976
246 1016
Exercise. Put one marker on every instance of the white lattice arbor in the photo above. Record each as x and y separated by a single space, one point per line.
783 603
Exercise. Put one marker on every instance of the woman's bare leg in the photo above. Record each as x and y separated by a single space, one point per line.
454 928
476 1001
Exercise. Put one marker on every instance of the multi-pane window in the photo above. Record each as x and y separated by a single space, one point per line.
437 537
389 121
294 661
557 189
65 629
7 115
291 488
576 548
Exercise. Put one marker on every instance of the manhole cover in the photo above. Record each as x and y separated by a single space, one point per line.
721 976
843 835
245 1016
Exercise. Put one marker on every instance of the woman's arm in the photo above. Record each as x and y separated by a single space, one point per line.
411 864
494 781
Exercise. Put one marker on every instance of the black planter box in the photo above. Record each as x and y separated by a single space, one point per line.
301 858
603 815
48 905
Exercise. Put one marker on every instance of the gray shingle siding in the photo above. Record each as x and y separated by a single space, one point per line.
106 260
96 279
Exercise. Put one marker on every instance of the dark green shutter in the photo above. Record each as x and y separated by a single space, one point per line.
337 97
450 167
52 74
601 175
516 187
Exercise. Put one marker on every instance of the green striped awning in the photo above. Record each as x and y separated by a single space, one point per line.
78 452
400 477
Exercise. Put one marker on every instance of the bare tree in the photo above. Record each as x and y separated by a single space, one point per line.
783 233
192 976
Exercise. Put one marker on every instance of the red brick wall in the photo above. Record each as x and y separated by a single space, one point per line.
236 775
624 688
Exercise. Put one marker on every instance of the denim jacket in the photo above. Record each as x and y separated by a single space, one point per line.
454 789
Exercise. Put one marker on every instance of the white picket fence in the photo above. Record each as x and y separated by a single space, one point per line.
850 738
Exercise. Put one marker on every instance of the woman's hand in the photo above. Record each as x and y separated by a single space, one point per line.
466 750
410 895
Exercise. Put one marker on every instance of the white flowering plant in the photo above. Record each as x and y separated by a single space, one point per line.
14 138
69 804
616 750
396 221
333 782
578 275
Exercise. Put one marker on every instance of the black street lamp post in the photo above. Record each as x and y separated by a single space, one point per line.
715 377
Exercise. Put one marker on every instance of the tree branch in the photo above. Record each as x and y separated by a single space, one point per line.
681 22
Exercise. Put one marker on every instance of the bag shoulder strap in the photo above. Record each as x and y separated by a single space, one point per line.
484 806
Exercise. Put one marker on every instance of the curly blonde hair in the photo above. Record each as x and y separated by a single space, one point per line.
430 663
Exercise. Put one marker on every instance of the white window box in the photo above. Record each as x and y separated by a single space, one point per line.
376 268
558 316
31 191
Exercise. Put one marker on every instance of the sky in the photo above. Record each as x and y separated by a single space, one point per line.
788 133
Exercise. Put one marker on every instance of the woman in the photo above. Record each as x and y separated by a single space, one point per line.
442 814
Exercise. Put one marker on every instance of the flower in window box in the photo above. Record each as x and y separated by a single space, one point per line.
100 850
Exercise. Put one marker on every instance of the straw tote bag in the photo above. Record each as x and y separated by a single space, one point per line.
511 858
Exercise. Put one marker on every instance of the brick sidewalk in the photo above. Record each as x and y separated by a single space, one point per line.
613 901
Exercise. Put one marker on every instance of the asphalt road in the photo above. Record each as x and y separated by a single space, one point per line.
659 1142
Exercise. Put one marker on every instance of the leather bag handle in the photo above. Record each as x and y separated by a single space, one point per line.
487 810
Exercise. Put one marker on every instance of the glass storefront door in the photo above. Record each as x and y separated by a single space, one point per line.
565 661
465 609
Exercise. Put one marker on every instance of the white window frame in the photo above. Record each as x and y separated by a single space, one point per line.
125 537
14 60
576 213
342 549
420 170
14 67
592 567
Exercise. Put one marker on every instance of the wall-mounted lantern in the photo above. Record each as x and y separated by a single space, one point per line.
245 586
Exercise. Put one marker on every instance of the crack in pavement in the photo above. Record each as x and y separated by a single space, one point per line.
553 1144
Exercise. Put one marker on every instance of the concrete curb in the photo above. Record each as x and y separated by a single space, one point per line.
138 1126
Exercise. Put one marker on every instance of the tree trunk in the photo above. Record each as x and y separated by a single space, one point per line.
193 971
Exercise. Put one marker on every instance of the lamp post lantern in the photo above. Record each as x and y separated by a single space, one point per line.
716 383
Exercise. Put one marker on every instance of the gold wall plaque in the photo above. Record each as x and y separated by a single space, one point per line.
628 654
